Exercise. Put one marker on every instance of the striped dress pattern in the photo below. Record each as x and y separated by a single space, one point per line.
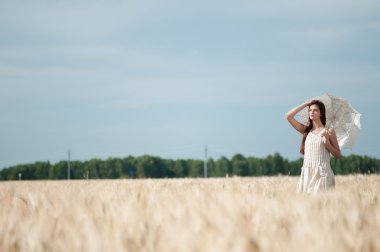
316 172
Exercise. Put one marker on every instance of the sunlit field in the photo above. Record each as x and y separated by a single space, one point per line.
229 214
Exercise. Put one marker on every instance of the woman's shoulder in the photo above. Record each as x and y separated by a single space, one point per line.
329 130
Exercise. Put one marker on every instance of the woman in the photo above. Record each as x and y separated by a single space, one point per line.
317 144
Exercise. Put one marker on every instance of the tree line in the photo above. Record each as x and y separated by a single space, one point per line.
155 167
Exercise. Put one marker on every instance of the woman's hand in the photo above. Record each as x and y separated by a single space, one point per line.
330 142
326 138
290 117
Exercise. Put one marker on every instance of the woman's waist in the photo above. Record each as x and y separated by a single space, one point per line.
319 162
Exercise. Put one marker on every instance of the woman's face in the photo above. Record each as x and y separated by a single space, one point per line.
314 112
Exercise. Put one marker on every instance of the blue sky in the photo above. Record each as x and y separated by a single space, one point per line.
117 78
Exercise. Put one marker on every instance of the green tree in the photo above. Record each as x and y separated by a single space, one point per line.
239 165
295 167
181 168
144 163
129 167
90 169
196 168
41 170
155 167
170 168
211 168
60 170
222 167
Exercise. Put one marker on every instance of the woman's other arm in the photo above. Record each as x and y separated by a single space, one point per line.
331 142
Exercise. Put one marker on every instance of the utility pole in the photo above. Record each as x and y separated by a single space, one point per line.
205 163
68 164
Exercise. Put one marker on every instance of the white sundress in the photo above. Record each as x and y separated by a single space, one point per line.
316 173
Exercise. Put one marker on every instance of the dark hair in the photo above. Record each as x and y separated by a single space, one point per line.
308 128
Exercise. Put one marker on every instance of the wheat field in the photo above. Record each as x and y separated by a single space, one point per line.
224 214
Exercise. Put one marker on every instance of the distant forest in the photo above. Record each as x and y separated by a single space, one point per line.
156 167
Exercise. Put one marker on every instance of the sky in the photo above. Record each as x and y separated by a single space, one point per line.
166 78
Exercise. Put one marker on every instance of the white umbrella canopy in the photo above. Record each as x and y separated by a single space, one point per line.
341 116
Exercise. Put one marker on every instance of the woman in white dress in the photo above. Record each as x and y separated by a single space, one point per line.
317 144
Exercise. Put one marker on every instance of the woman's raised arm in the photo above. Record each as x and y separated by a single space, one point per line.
290 117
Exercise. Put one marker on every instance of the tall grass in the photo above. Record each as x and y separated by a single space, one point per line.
231 214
